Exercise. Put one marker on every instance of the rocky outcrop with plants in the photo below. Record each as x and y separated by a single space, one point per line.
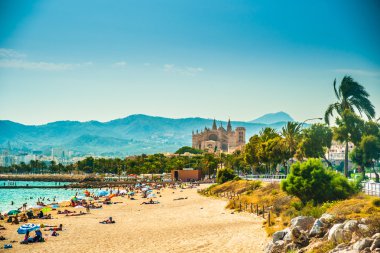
327 234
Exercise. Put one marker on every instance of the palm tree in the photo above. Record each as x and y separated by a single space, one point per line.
291 133
351 96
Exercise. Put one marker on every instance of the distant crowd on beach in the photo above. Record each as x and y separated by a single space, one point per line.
89 200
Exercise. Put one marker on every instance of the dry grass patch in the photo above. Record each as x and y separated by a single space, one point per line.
359 206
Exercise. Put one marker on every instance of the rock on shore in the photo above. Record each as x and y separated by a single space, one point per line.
307 234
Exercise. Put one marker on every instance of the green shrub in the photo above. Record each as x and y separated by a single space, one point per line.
311 181
376 202
224 175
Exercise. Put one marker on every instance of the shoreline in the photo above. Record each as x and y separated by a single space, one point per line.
192 224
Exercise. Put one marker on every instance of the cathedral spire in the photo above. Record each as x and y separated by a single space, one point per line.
214 125
229 127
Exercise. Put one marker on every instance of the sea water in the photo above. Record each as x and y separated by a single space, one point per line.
31 195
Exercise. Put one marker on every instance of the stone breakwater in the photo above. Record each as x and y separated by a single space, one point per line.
326 234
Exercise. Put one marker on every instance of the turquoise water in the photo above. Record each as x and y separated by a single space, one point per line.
30 196
31 183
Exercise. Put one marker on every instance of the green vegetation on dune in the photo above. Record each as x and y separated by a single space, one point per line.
311 181
284 207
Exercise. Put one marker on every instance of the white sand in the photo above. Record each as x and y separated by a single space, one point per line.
196 224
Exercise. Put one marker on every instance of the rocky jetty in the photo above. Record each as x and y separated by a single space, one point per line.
326 234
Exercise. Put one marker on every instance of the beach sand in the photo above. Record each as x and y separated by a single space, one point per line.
195 224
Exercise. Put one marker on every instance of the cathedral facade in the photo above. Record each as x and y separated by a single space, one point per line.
219 139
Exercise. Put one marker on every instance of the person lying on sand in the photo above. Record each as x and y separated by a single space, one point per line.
65 212
53 228
180 198
42 216
76 214
54 233
108 221
150 202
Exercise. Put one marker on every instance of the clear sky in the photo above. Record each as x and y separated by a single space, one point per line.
101 59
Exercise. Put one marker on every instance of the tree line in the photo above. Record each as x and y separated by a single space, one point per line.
269 151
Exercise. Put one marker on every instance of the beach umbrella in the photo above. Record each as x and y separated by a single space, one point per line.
144 189
54 206
152 195
46 209
79 207
27 227
13 212
102 193
37 207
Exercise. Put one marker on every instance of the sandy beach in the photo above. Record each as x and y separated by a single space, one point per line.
195 224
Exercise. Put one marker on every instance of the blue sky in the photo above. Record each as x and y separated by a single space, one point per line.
85 60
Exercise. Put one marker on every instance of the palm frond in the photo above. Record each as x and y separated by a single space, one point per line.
335 90
330 111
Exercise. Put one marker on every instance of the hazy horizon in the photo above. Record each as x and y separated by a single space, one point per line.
96 60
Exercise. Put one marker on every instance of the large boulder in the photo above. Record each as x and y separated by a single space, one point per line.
318 229
327 218
279 235
363 229
376 236
302 222
277 247
351 225
338 234
362 244
375 244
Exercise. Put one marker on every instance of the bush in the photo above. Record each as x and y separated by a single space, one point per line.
311 181
376 202
224 175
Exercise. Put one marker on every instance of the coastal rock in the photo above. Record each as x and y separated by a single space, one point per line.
366 250
376 236
291 247
375 244
277 247
338 234
363 229
287 238
351 225
313 246
327 218
362 244
294 233
333 231
279 235
317 229
302 222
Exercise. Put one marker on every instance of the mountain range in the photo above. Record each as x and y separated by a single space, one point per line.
134 134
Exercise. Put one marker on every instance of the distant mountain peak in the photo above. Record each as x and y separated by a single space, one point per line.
271 118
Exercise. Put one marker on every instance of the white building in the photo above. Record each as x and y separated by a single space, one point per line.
336 152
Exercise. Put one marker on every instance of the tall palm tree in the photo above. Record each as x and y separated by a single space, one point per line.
353 97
